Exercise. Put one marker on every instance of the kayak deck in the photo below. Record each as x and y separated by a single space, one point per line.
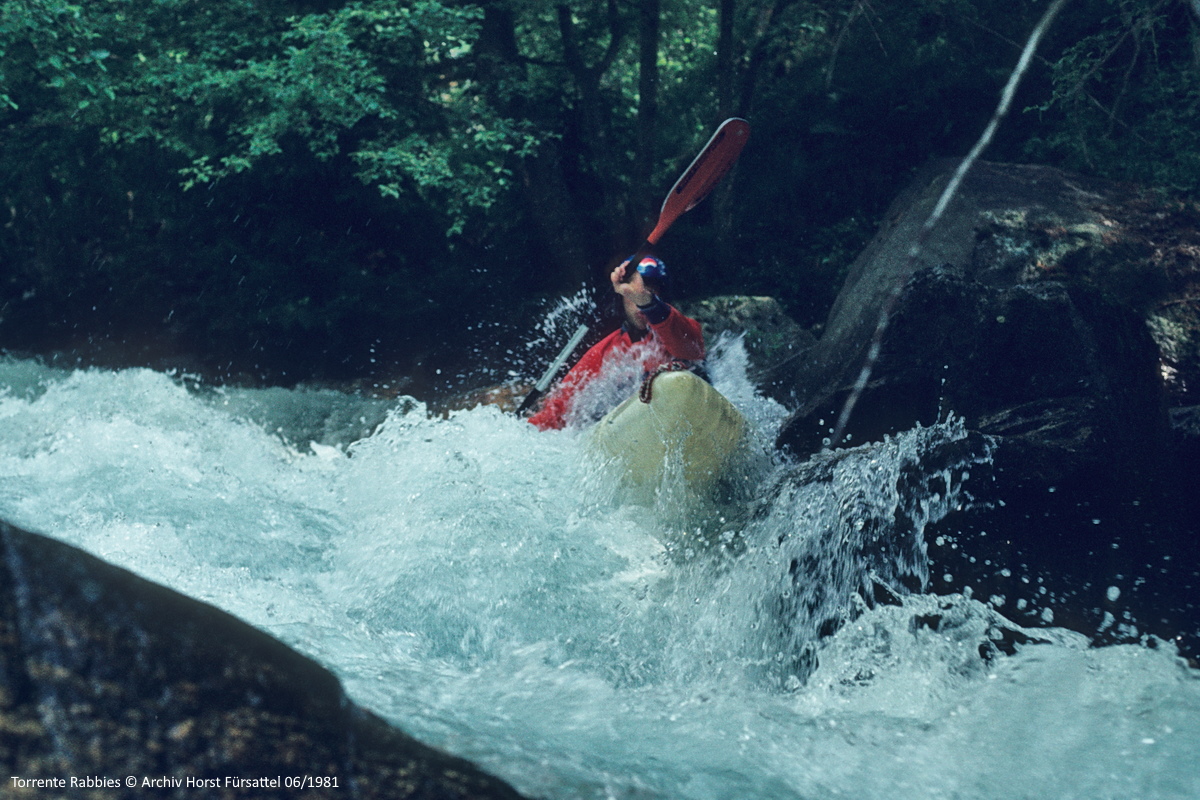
687 426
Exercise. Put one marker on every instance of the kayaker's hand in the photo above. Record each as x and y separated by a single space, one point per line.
634 288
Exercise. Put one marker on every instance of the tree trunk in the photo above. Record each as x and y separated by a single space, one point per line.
756 55
647 117
725 60
592 111
559 235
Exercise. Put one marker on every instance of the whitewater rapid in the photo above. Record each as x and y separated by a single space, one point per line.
484 586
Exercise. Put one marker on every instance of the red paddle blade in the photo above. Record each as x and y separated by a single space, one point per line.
706 169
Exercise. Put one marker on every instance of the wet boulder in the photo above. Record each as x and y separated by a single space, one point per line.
771 336
113 681
1056 315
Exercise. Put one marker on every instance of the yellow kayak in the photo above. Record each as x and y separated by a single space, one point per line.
687 426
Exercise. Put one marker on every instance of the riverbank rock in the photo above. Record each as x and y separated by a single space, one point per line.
772 337
1056 315
109 678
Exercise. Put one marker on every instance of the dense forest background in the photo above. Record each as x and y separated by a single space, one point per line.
287 190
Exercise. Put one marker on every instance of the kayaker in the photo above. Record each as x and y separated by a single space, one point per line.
654 334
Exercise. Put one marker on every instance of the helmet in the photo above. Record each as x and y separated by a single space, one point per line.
652 270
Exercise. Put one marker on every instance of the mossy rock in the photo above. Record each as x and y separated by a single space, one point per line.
771 335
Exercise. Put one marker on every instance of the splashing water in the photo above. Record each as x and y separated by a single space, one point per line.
480 584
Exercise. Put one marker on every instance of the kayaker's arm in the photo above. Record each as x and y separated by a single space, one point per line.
679 334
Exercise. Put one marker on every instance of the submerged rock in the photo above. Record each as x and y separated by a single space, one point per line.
1051 312
110 678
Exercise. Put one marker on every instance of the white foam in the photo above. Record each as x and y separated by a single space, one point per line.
466 578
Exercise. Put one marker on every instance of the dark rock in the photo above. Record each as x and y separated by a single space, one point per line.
109 676
772 337
868 536
1055 315
987 317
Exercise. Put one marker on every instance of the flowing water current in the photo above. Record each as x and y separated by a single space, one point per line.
486 587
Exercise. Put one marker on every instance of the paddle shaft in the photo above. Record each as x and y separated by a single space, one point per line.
705 171
547 376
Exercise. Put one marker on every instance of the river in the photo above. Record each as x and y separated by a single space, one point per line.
487 587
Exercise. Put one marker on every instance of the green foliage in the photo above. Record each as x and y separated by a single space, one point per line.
227 86
1126 96
279 175
46 44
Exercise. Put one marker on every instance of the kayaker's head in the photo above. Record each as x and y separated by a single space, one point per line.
654 274
638 284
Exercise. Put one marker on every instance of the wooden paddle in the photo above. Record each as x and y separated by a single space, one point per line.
693 186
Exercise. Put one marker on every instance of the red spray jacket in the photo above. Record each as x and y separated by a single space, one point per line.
671 336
